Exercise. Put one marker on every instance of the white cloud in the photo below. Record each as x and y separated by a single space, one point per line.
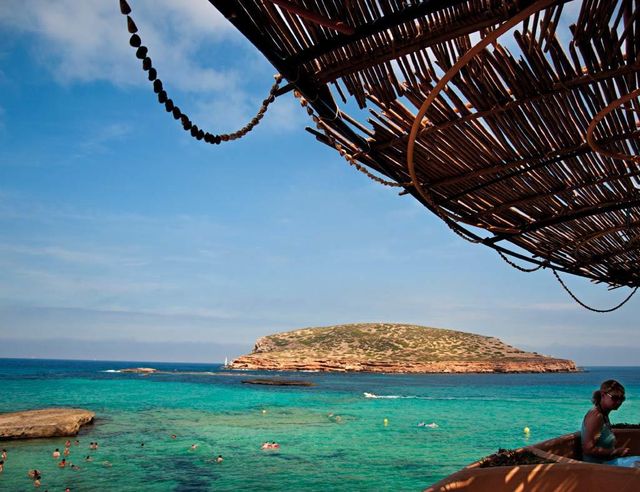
87 41
188 41
97 141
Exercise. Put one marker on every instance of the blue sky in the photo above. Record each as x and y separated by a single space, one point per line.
121 237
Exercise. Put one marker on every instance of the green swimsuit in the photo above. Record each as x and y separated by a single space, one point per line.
606 440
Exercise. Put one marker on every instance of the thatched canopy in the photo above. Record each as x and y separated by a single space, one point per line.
531 137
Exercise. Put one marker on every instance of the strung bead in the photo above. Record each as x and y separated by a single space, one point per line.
135 41
131 26
124 7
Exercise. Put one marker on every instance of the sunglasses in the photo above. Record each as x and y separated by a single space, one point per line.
616 398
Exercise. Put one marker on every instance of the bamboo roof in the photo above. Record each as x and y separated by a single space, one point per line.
527 142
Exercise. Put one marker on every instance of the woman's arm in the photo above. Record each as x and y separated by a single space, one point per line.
593 422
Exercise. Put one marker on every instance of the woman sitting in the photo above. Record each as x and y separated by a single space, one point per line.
598 440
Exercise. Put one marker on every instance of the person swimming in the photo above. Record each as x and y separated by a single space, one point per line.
56 453
34 474
219 459
432 425
62 463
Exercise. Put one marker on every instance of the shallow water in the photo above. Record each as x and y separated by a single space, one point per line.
332 437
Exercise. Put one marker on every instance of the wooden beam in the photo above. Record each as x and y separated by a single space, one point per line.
558 219
314 17
381 24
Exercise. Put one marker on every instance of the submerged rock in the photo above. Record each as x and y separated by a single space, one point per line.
140 370
47 422
278 382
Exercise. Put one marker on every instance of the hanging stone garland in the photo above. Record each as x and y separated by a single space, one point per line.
142 53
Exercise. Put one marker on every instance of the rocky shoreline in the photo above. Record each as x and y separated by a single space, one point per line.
46 422
262 363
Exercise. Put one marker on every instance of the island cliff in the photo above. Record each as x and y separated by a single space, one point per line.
389 347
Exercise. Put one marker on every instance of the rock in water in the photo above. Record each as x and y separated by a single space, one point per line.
140 370
278 382
47 422
391 347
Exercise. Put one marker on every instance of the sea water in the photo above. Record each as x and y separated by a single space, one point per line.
332 436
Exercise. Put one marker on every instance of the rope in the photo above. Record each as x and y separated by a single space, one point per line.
170 107
518 267
589 307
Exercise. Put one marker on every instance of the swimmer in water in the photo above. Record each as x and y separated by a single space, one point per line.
56 453
219 459
34 474
88 458
63 463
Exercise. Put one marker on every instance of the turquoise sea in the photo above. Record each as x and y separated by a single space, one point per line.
332 436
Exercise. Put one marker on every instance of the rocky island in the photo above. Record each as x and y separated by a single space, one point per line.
392 348
46 422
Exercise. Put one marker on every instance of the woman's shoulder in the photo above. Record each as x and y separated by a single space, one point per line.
594 417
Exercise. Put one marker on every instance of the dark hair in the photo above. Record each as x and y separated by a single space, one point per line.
606 387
